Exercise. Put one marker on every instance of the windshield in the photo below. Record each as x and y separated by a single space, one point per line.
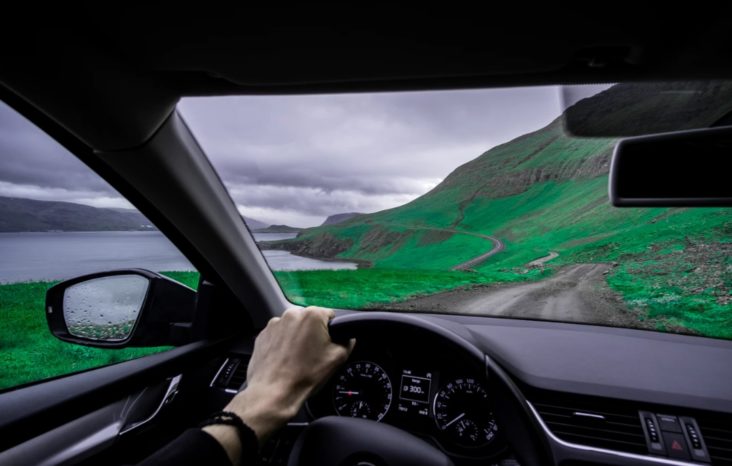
471 202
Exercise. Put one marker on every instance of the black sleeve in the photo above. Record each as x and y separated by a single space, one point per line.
192 447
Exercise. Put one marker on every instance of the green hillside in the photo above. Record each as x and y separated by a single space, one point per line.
543 192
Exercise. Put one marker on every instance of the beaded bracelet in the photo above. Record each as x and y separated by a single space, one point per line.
247 437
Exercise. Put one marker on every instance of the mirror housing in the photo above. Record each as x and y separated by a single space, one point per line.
165 316
680 169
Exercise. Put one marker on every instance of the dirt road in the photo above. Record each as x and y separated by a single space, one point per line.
576 293
474 262
543 260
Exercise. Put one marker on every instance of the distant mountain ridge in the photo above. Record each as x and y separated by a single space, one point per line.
19 215
254 224
31 215
278 229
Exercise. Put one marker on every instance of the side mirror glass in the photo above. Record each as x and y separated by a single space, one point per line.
122 308
106 308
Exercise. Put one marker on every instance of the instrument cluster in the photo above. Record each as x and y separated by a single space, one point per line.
438 399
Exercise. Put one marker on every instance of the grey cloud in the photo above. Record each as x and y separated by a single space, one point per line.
311 200
343 152
301 158
30 157
327 180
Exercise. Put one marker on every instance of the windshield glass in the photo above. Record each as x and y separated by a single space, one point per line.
471 202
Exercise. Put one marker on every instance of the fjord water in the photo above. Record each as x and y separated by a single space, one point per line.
61 255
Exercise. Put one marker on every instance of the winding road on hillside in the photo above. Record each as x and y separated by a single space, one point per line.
476 261
496 245
576 293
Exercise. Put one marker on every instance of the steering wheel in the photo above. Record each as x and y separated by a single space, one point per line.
345 441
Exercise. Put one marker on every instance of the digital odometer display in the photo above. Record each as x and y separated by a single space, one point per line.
414 392
415 388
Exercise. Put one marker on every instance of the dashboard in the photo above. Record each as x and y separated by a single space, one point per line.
438 395
586 394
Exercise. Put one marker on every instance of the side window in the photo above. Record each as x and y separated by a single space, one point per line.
59 220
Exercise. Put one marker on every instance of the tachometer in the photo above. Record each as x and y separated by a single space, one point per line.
463 412
362 389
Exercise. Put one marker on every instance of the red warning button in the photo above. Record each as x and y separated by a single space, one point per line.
676 445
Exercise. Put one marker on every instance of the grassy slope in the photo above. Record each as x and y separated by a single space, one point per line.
31 353
544 192
654 248
364 288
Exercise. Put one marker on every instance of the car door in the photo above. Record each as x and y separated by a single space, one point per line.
87 411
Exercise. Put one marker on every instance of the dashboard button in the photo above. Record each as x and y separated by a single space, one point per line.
694 438
653 433
668 423
676 446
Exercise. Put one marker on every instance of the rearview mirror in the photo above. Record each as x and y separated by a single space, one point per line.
681 169
121 308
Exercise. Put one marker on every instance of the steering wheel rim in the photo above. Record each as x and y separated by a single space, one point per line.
512 412
348 441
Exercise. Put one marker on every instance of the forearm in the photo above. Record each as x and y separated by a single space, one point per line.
292 356
263 409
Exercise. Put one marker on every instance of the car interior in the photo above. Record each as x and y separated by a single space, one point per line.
105 83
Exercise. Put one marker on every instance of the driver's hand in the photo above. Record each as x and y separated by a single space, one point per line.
292 356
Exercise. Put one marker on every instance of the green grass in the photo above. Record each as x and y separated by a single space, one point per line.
418 251
686 283
31 353
364 288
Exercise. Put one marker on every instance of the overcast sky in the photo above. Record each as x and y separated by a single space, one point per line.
298 159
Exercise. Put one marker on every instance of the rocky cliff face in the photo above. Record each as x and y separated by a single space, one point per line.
546 155
326 246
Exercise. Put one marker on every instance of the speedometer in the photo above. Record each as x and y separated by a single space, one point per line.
362 389
462 412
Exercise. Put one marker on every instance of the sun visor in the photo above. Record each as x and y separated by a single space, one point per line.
635 109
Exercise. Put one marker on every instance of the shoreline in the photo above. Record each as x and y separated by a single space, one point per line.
360 263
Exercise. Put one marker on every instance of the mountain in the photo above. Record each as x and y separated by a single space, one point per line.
538 205
340 218
543 191
18 214
254 224
278 229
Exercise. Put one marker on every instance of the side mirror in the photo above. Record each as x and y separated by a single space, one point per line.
121 308
680 169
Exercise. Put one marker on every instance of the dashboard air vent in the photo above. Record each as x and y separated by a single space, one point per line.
593 422
232 374
717 432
